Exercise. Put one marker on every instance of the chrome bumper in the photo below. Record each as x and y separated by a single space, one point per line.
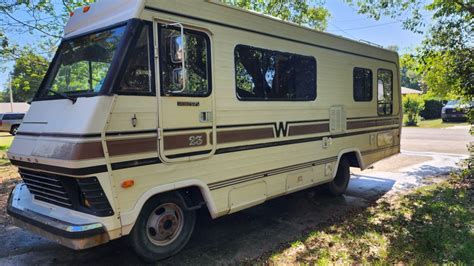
74 236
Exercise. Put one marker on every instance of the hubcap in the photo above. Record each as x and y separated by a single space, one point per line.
165 224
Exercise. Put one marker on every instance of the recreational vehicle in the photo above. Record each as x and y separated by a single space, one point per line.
152 109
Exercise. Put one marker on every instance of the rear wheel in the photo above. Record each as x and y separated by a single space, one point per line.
163 228
339 184
14 130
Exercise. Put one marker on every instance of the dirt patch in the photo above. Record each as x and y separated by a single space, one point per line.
8 179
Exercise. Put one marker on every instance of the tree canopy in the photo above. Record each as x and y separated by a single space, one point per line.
445 59
311 13
28 72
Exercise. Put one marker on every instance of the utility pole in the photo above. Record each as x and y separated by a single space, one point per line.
11 94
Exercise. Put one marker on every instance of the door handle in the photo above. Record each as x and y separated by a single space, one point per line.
205 117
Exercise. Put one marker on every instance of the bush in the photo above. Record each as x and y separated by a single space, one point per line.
432 109
412 105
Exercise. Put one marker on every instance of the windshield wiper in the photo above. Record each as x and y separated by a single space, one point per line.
62 95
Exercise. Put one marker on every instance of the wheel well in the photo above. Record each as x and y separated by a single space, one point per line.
352 158
191 196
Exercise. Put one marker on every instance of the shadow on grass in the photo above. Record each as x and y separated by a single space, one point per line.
435 224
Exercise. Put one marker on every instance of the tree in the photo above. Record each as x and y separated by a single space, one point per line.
410 72
304 12
41 18
28 72
446 57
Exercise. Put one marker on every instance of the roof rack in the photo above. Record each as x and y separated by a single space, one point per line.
371 43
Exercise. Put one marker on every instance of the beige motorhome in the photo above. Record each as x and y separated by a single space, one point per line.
153 109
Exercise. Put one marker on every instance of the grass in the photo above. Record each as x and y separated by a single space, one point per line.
432 225
435 123
5 142
438 123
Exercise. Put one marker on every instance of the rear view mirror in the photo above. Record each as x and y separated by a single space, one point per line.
178 55
177 48
178 76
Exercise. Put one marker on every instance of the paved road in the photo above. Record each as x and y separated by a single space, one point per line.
259 230
443 140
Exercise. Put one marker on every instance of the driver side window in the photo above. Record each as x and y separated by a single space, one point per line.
137 76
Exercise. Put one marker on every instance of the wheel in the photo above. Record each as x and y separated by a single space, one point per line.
14 129
444 120
163 228
339 184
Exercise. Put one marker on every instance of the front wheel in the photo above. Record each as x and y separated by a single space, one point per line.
163 228
339 184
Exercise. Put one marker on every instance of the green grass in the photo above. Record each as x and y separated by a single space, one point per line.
438 123
432 225
435 123
5 142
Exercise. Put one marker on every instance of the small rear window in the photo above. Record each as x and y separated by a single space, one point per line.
12 116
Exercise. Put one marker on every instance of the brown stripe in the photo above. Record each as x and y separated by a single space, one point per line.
244 135
370 123
308 129
185 141
130 146
69 151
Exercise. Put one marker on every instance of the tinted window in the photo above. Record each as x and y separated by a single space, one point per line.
274 76
137 75
385 92
362 84
195 79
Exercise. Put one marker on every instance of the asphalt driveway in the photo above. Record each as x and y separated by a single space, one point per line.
427 154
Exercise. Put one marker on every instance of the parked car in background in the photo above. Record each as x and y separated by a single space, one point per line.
9 122
455 110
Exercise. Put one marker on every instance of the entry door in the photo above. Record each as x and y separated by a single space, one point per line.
186 102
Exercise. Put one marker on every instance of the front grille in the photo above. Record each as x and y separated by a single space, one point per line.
46 188
454 111
81 194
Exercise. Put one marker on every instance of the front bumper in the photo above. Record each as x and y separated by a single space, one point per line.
75 236
454 116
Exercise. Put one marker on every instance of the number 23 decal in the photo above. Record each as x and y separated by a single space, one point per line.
196 140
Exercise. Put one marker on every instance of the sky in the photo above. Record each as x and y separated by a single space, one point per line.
344 21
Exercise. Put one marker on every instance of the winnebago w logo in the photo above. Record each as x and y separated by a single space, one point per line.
281 128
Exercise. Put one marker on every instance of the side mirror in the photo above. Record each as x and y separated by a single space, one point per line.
178 55
176 45
177 76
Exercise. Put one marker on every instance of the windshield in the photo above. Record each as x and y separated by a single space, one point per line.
453 103
82 63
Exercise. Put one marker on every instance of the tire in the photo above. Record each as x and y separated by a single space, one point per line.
339 184
163 228
14 129
444 120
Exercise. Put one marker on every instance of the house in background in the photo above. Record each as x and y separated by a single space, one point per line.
17 108
406 91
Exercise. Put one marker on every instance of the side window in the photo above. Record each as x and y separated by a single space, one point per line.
362 84
265 75
194 79
385 92
137 78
